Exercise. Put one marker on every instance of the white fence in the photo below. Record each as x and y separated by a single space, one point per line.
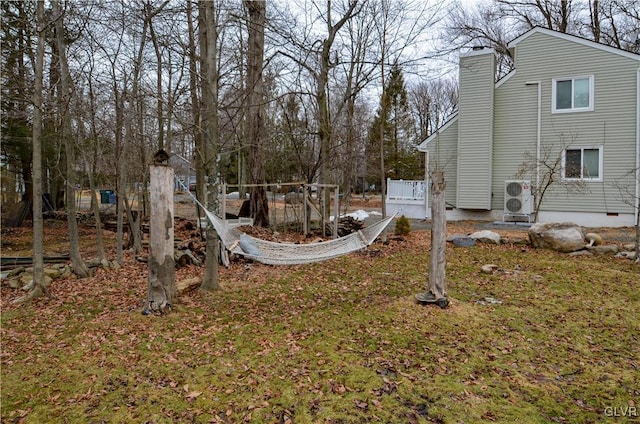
406 189
407 197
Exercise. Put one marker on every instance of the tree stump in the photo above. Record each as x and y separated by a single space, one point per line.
437 288
161 263
437 277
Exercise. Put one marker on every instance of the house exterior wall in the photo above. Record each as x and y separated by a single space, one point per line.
443 155
612 124
540 57
475 130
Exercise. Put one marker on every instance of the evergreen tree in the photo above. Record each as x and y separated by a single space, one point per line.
402 160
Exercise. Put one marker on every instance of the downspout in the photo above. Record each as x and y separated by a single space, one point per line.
538 131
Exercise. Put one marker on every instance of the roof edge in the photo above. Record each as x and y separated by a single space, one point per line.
422 147
573 38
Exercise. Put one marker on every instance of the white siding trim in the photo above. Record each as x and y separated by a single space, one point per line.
505 78
422 147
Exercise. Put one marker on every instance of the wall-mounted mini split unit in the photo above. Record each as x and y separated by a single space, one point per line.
518 199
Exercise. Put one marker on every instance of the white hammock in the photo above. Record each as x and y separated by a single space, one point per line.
274 253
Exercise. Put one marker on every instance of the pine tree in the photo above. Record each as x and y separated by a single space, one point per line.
402 160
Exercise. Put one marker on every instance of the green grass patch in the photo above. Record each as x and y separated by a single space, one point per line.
547 338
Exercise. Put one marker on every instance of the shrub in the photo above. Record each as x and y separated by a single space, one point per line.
403 227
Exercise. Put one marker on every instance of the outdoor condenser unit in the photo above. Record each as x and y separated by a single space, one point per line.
518 199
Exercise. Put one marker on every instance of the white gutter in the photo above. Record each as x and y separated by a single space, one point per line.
538 132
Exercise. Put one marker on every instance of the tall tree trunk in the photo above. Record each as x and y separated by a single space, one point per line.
120 158
95 205
209 115
324 118
350 169
159 101
259 204
383 113
195 104
64 100
594 12
38 224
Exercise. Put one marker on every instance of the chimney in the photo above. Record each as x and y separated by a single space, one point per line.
475 128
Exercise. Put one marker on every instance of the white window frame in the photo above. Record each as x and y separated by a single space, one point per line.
572 109
582 177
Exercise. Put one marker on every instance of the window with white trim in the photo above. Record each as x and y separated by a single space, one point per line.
582 163
572 95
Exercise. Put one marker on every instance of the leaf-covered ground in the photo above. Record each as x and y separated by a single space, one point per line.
548 338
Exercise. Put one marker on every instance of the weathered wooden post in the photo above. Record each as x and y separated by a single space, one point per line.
437 286
161 264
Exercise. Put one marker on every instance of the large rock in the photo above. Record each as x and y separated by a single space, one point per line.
486 236
462 241
560 236
607 249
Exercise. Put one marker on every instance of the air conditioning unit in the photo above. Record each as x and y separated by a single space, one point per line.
518 199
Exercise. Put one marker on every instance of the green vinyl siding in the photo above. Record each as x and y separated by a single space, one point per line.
475 131
610 125
515 133
443 155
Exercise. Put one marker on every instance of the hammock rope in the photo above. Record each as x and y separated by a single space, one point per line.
280 253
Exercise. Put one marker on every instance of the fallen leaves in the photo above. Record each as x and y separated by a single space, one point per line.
321 342
191 395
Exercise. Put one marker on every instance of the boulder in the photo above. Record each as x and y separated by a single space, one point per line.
626 255
52 272
463 241
559 236
14 283
488 269
610 249
486 236
581 253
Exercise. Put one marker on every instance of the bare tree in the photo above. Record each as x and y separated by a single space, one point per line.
38 285
315 57
259 205
65 95
545 170
18 64
478 26
89 156
209 121
357 74
627 185
616 23
494 24
395 40
432 103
